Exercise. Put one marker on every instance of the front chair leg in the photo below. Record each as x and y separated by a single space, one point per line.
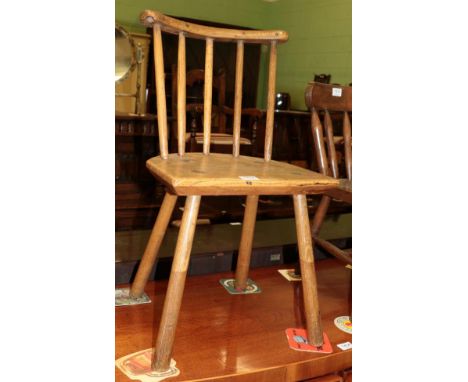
309 281
165 341
245 248
154 243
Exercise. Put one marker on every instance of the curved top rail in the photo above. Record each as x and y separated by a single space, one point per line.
175 26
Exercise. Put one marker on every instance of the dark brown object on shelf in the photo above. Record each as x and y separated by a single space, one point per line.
322 78
197 174
331 98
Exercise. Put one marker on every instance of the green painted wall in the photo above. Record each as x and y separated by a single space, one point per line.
319 42
319 34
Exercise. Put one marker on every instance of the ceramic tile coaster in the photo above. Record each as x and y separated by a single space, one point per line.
137 366
344 323
229 285
297 340
122 298
289 275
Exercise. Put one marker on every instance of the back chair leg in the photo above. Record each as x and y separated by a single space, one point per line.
319 215
154 243
165 341
245 248
309 281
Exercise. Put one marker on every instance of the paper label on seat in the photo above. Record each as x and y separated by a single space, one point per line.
336 92
251 177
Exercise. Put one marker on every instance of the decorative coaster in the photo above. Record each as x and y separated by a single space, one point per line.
138 366
122 298
289 275
344 323
297 340
229 285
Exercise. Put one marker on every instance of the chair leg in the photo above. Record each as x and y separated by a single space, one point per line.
245 248
154 243
175 289
309 281
320 214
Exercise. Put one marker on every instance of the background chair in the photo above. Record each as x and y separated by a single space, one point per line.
221 136
323 99
200 174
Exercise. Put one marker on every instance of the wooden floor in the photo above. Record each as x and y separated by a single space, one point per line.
241 337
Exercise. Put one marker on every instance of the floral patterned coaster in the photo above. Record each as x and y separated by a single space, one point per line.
229 285
122 298
344 323
297 340
138 366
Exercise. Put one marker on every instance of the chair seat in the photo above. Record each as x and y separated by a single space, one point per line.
343 192
218 139
223 174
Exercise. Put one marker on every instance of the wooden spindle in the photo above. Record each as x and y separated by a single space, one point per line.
347 145
331 145
208 96
270 102
181 98
160 91
238 97
309 281
317 133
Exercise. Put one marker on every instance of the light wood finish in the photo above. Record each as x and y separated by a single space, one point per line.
309 282
238 97
175 289
208 96
322 97
197 174
241 338
219 174
347 145
181 98
245 248
154 243
172 25
160 91
270 102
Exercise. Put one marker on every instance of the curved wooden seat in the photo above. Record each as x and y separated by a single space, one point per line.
223 174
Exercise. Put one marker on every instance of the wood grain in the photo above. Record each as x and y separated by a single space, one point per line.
241 338
238 97
245 247
181 93
270 102
172 25
218 174
175 289
160 91
207 98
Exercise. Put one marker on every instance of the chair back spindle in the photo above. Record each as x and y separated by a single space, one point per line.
160 91
270 102
183 29
238 97
208 95
181 95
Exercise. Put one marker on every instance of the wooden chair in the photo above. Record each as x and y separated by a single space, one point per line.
199 174
325 98
194 80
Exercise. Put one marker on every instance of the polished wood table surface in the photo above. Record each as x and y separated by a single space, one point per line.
227 337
